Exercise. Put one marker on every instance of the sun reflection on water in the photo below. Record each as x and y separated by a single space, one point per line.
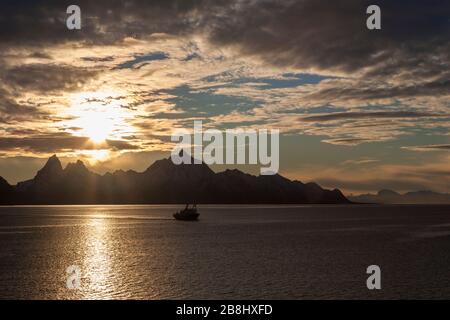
98 271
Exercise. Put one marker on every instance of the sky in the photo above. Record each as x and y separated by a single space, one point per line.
358 109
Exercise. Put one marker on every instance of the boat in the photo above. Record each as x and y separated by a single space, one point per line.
187 214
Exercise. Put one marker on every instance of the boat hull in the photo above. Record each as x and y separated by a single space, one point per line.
189 217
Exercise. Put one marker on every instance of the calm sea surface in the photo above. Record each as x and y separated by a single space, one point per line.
254 252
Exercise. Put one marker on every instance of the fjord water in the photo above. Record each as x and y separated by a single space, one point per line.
248 252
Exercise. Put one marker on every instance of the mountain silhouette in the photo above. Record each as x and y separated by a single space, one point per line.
392 197
162 183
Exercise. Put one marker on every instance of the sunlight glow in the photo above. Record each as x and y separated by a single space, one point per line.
99 115
98 127
96 155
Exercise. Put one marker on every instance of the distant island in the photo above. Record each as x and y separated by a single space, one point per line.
162 183
392 197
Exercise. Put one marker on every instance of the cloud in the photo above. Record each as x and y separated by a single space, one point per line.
45 77
349 141
332 35
304 34
431 147
41 23
60 143
140 59
12 111
363 161
369 115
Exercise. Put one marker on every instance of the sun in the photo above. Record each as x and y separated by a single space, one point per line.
96 126
99 116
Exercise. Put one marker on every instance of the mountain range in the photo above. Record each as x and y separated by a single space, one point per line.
162 183
392 197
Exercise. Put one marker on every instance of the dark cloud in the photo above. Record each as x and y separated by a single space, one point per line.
40 55
413 45
139 59
40 78
347 141
366 90
439 146
369 115
60 143
432 147
333 34
303 33
98 59
11 111
45 77
41 22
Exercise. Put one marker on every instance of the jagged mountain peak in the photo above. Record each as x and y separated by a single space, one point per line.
53 162
162 182
167 165
4 183
77 167
162 163
77 164
52 168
